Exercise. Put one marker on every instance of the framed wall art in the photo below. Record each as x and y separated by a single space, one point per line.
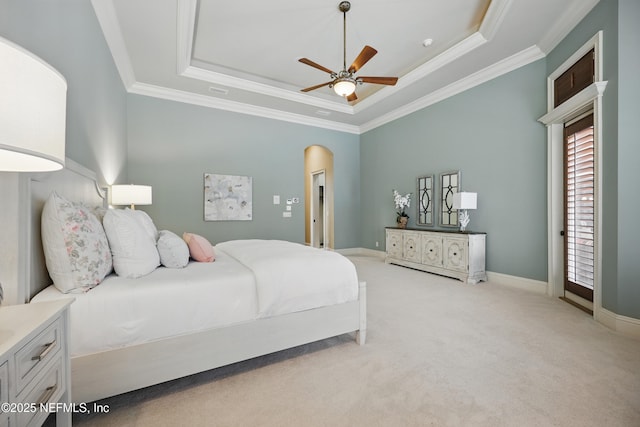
449 185
425 200
227 197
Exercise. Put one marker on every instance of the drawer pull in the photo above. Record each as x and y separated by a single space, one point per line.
47 395
47 349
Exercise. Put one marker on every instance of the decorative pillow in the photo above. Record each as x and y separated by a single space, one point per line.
174 252
75 246
199 248
133 243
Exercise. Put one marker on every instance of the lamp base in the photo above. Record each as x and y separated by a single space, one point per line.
464 219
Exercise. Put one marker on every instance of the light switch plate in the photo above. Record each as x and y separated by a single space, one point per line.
276 199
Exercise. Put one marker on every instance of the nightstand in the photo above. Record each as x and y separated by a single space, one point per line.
35 374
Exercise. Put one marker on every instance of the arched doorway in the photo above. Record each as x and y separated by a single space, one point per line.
318 200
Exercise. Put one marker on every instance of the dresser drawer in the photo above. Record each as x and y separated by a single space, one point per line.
34 355
48 388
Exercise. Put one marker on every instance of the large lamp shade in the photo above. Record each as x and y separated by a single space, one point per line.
33 103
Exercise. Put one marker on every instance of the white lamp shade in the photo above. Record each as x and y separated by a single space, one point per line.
33 105
344 87
465 200
130 194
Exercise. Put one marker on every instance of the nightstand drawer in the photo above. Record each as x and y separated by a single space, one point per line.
47 389
31 358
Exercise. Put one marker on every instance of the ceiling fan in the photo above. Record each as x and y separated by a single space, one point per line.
344 83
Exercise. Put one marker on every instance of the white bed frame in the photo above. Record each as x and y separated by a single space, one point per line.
118 371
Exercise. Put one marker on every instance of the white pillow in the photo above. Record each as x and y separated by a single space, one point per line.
75 246
133 244
174 252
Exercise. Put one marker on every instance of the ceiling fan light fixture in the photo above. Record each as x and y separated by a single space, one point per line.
344 86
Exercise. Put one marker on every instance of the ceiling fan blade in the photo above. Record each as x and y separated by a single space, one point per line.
391 81
316 86
314 65
352 97
365 55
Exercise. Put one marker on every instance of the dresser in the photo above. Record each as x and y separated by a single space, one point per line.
460 255
35 376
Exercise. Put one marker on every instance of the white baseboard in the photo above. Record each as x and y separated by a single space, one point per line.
627 326
362 251
524 283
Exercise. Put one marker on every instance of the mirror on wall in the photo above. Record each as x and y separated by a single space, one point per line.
425 200
449 185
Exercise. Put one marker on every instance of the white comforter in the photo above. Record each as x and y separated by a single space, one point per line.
248 280
291 277
122 312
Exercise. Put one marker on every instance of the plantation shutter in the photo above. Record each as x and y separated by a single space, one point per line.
580 206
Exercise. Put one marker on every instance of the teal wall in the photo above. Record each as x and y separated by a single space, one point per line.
620 148
491 135
172 145
66 34
628 156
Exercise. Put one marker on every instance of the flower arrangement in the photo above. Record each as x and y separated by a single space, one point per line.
402 202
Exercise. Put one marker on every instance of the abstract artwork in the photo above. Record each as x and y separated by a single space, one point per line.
227 198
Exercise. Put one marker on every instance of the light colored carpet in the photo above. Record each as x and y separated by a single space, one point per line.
438 353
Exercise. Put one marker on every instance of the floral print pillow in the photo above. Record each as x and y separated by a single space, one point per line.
75 245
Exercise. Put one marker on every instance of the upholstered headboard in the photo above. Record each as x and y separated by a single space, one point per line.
74 182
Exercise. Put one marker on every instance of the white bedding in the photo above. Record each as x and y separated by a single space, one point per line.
292 277
249 279
168 302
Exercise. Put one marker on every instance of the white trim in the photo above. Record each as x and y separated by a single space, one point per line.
574 105
185 24
265 89
565 23
589 98
507 65
186 19
108 20
238 107
531 285
627 326
467 45
493 18
362 252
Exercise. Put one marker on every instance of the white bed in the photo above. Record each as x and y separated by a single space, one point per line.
201 317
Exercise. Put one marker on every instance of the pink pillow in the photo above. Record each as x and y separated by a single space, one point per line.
199 248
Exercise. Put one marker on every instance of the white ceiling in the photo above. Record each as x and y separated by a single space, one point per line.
243 55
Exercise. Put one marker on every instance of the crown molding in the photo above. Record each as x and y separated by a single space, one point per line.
467 45
565 23
187 15
108 20
185 22
493 18
264 89
237 107
511 63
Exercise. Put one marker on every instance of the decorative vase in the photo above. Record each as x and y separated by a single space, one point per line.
402 221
